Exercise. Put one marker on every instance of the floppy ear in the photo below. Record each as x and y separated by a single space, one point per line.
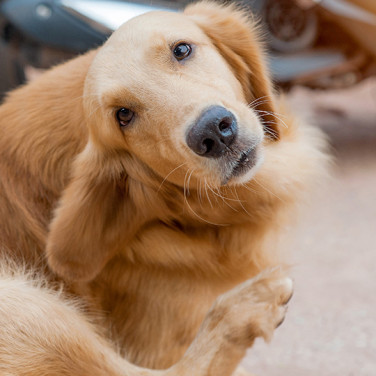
236 37
94 218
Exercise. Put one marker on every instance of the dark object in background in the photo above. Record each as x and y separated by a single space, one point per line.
322 43
291 26
11 71
42 33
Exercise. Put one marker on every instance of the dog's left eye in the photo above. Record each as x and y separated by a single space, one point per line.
182 50
124 116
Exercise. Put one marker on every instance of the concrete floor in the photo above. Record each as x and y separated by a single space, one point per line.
330 329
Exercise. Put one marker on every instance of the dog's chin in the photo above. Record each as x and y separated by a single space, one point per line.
242 169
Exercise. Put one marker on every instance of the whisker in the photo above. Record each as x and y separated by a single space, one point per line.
223 198
276 115
261 100
216 194
199 191
255 105
270 133
237 195
191 209
266 189
207 195
189 180
170 174
230 206
257 100
273 113
184 189
244 185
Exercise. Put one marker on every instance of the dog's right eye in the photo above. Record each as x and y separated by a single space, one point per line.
124 116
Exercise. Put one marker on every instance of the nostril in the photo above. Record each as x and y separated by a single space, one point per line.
224 125
209 144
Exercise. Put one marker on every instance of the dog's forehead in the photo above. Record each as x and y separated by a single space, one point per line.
142 46
149 27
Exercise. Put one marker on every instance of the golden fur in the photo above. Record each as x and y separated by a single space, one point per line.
130 221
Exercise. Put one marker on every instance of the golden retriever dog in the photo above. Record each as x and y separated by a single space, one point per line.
139 183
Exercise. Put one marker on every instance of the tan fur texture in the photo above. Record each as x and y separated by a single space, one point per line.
130 221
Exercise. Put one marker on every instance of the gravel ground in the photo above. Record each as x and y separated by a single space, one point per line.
330 329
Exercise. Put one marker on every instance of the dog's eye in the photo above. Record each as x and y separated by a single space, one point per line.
124 116
182 50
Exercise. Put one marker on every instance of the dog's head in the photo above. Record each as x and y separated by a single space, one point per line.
184 91
183 96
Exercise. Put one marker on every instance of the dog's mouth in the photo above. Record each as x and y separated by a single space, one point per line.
239 166
246 161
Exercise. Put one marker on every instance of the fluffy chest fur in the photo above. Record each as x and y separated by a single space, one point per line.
167 276
157 290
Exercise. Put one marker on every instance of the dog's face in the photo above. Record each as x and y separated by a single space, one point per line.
162 90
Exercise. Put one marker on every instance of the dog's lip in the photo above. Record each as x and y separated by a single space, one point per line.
246 161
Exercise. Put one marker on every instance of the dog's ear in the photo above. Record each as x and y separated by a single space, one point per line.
94 218
236 37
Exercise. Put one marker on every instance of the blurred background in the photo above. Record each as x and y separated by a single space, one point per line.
322 53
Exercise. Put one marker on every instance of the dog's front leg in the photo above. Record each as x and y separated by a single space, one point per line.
253 309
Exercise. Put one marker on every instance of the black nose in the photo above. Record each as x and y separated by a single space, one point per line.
214 131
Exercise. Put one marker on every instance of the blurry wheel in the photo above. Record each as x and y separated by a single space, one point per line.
291 28
11 69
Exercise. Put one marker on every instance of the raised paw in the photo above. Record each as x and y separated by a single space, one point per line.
254 308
